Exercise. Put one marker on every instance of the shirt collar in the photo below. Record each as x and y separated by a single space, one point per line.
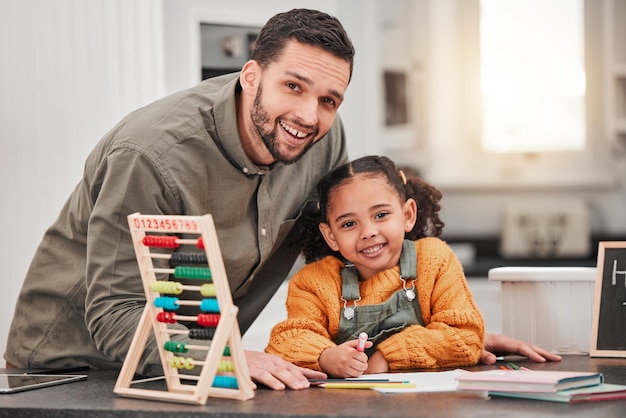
225 116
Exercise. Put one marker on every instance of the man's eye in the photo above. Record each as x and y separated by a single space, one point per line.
329 101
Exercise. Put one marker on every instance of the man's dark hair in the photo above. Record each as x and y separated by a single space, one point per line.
309 27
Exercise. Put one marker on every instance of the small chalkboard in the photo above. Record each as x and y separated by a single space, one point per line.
608 336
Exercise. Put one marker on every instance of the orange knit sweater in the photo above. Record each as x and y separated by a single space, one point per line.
454 329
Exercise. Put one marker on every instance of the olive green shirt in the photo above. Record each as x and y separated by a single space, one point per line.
82 297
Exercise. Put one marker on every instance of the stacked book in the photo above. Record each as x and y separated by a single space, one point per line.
548 385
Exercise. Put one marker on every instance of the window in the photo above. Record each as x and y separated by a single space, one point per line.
532 75
557 137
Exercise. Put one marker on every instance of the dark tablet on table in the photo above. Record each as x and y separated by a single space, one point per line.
11 383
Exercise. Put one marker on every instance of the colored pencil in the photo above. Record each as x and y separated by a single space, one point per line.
366 385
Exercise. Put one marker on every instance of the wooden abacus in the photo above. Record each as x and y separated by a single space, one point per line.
224 371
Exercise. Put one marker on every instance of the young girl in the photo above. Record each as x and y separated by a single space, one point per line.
377 267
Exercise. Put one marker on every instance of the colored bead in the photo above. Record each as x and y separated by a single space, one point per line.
208 320
229 382
226 366
207 290
160 241
167 287
167 317
165 302
202 333
209 305
182 362
178 259
186 272
175 346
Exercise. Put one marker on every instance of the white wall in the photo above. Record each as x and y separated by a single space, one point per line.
71 69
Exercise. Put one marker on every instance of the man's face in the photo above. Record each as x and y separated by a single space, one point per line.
297 100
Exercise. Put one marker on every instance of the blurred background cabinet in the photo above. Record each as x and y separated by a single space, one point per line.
615 43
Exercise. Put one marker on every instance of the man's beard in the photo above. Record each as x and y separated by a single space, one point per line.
260 118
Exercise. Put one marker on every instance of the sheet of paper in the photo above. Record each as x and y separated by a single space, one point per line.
424 381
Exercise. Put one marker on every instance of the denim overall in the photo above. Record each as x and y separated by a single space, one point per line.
385 319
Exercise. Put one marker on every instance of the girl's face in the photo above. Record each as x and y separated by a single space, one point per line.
367 222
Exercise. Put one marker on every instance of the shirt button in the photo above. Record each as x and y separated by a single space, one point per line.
245 170
263 231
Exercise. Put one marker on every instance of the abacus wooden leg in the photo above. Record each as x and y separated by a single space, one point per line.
134 353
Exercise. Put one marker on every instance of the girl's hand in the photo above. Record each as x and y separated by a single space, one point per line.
377 364
344 360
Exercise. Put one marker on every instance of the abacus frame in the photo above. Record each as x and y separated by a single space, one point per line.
227 332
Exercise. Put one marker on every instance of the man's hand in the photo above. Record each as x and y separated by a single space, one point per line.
499 345
278 374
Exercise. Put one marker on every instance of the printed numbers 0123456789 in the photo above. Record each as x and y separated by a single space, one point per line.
166 224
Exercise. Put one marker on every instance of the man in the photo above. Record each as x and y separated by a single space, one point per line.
236 147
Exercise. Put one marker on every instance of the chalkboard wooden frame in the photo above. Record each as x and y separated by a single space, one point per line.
608 335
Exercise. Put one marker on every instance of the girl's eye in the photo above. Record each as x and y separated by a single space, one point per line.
347 224
381 215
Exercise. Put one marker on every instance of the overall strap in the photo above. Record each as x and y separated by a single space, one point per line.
350 283
349 290
408 260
